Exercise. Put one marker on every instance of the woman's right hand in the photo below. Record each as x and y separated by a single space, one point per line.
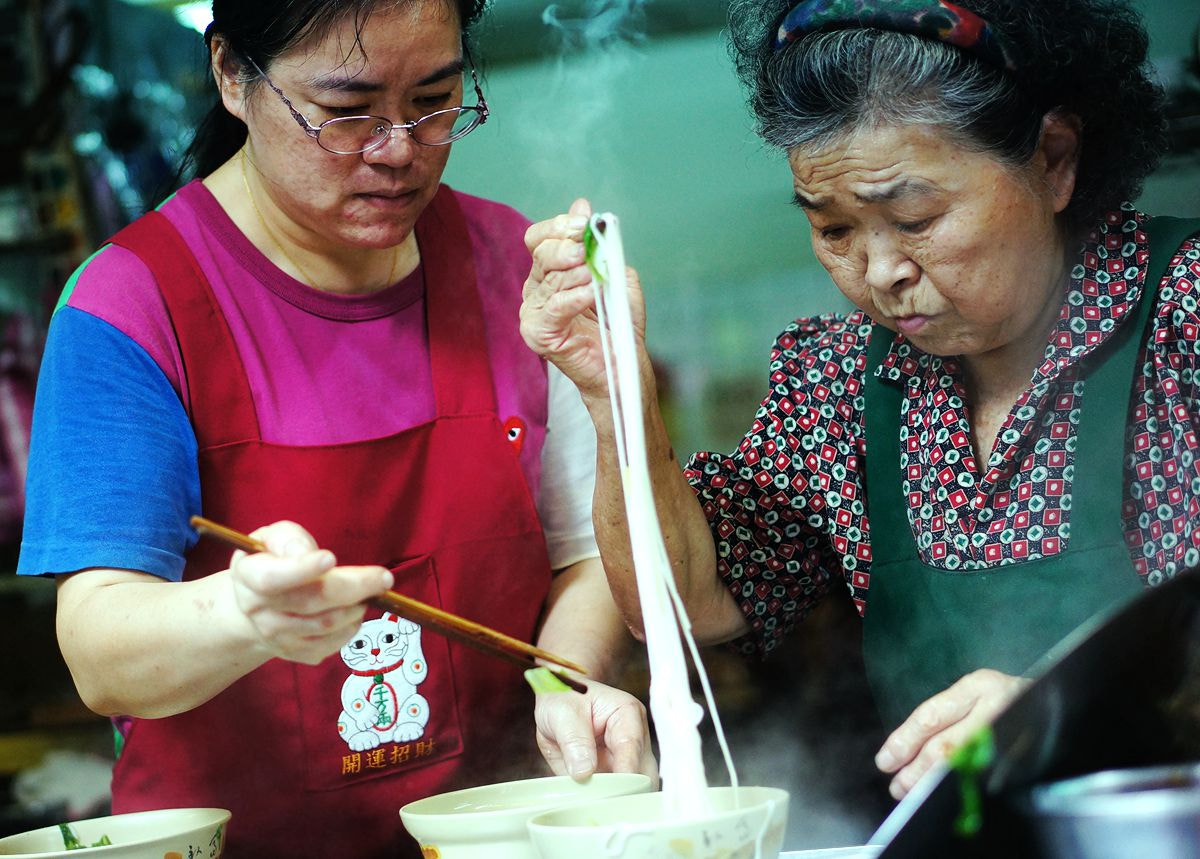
300 605
558 311
942 723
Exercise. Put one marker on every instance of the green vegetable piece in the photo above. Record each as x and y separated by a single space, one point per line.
590 246
968 761
70 840
544 680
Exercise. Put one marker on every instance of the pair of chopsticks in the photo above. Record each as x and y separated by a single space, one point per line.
452 626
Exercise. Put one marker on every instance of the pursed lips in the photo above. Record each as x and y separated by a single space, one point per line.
909 322
388 194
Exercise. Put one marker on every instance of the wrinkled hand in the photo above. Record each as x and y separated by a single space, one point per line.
942 723
558 312
605 730
300 604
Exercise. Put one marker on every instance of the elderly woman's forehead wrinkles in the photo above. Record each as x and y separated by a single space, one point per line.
853 173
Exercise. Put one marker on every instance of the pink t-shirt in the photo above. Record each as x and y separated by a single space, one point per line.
370 376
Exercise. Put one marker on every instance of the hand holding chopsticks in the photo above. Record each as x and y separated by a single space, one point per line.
450 625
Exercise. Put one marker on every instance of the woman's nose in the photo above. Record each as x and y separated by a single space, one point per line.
398 148
888 266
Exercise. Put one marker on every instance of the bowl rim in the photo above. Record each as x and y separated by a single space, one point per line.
413 809
1127 793
223 816
536 824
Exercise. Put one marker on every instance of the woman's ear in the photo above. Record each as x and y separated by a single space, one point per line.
1059 150
227 72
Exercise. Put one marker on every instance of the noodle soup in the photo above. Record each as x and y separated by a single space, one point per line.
744 823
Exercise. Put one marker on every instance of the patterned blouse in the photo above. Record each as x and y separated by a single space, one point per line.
787 508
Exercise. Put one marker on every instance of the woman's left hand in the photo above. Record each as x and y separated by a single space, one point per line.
605 730
943 723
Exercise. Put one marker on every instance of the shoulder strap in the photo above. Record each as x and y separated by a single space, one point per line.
221 406
458 355
1109 376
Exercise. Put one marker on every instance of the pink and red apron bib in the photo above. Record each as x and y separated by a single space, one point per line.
316 761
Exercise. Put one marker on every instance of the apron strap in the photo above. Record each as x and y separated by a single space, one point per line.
887 508
1097 497
213 375
1098 492
458 355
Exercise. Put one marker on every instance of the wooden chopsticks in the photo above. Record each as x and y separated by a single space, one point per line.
450 625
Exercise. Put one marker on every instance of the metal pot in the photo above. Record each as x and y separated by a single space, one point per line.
1150 811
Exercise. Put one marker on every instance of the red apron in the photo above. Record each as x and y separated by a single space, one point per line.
316 761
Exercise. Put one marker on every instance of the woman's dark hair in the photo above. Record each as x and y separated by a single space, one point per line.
261 30
1085 58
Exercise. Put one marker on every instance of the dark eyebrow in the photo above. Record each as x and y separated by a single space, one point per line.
343 83
803 202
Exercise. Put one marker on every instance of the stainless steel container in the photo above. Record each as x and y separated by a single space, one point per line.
1120 814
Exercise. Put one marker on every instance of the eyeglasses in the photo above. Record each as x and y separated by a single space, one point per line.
351 135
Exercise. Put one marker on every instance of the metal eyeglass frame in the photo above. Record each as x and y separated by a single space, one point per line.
481 111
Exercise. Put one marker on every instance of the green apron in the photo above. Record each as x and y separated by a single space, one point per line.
926 627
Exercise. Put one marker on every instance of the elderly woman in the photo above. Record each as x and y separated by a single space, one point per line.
1000 441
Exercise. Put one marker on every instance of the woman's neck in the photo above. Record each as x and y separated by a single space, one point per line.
994 380
341 269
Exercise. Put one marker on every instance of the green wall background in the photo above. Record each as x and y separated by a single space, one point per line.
659 134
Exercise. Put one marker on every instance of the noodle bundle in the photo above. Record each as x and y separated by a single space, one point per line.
675 713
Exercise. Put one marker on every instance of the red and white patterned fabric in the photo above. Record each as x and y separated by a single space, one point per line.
787 508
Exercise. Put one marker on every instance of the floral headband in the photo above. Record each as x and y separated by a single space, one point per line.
932 19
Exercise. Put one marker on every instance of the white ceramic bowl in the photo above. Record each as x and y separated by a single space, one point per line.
489 822
139 835
750 825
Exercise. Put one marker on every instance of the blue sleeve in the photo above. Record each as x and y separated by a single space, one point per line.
113 475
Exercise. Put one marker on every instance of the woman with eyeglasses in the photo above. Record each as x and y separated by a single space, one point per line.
317 342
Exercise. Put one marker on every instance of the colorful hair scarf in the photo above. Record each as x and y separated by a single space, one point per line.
932 19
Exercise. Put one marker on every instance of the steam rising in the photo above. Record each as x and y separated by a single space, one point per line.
595 42
603 24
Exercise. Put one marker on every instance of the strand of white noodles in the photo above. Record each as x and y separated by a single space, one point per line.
676 714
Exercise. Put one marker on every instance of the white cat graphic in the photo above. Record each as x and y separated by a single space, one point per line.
380 702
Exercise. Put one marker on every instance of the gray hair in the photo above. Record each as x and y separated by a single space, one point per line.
1082 58
840 82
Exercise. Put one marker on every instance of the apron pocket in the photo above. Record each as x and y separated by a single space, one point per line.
386 704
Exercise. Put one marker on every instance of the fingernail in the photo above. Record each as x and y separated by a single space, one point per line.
577 222
577 253
387 579
884 760
579 764
327 561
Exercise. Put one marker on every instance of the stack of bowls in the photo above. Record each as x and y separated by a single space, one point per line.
489 822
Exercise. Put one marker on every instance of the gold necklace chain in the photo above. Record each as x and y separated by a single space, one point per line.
270 234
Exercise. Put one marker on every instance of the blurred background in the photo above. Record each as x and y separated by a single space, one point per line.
631 103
